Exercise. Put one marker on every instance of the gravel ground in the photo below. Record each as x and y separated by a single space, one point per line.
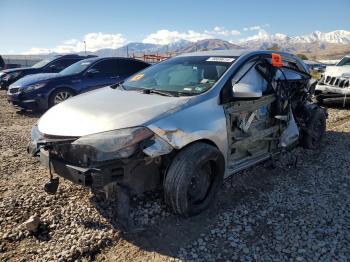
298 210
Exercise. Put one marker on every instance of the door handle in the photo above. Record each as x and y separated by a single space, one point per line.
114 77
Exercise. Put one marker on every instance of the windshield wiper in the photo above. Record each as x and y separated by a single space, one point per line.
155 91
117 85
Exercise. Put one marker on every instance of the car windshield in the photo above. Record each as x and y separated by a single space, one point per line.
42 63
184 75
345 61
76 68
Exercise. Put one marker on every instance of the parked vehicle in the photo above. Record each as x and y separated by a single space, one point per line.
334 85
42 91
183 125
50 65
2 63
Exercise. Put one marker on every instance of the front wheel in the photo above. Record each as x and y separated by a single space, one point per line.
193 179
59 96
315 129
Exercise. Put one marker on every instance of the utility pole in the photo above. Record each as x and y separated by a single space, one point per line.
85 47
127 51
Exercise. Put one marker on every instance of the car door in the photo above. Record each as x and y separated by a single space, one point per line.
102 73
251 129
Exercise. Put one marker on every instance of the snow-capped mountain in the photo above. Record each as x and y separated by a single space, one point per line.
263 39
335 37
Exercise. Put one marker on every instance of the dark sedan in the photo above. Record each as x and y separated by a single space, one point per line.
50 65
42 91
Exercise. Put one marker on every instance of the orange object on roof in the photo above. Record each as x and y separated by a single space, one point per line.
277 60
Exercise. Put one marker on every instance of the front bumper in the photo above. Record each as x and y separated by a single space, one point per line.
332 89
135 173
20 100
332 94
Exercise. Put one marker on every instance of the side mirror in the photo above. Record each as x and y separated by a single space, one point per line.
246 90
92 72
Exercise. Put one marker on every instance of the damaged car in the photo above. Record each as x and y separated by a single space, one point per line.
182 125
334 85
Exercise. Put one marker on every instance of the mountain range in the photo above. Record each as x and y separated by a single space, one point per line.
315 45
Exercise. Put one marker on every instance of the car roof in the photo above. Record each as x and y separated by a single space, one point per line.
94 59
233 52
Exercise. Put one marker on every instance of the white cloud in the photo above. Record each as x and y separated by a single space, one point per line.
94 41
222 31
261 35
36 51
164 37
255 27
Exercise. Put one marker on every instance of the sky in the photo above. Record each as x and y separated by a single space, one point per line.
41 26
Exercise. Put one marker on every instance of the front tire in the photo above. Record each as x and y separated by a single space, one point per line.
59 96
193 179
315 129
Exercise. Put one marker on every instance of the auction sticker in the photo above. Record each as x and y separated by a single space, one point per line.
221 59
137 77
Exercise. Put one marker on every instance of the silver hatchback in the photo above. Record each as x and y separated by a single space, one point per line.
182 125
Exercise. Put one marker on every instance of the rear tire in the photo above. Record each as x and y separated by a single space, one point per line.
193 179
60 95
316 128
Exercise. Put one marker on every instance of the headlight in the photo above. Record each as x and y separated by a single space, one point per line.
11 75
112 144
35 86
346 75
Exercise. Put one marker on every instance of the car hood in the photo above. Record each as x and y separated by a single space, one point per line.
104 110
32 79
18 69
337 71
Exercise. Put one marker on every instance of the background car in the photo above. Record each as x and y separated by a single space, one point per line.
42 91
50 65
334 85
2 63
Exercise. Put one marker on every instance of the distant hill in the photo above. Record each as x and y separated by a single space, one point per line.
317 45
208 44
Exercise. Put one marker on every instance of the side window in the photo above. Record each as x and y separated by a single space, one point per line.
249 80
288 74
129 67
105 67
61 64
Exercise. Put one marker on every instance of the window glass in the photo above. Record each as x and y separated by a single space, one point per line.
344 61
129 67
77 67
106 67
62 64
248 79
192 74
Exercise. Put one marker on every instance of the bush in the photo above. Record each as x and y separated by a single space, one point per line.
302 56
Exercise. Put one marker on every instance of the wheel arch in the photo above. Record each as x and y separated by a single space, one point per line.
58 88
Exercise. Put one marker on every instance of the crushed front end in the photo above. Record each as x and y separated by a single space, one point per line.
129 160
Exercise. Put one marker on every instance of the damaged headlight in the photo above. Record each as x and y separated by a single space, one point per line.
112 144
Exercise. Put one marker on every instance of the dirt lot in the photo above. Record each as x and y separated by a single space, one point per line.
297 211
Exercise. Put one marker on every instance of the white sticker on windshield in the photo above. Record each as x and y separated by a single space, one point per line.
221 59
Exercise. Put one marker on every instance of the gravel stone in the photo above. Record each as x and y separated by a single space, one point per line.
286 213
